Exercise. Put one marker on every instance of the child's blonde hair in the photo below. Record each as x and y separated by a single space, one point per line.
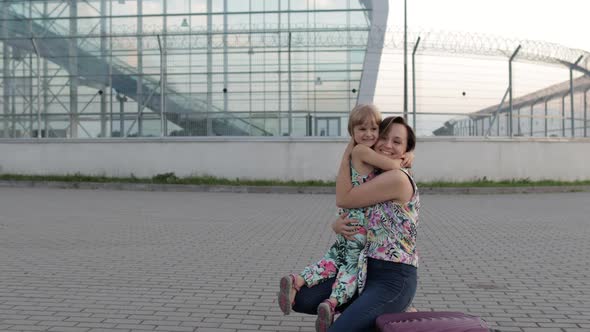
360 113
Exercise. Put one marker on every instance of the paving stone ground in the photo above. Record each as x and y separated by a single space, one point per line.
82 260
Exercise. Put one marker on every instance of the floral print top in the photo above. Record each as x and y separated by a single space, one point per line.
391 232
357 179
392 229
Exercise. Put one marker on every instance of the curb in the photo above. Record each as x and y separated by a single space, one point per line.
279 189
502 190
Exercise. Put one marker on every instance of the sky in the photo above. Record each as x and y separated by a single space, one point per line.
464 83
564 22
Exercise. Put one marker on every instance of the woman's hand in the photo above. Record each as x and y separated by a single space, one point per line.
342 226
407 159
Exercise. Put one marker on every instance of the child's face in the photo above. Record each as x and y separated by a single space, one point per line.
366 133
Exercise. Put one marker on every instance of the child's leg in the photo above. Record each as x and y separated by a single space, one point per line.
312 275
345 285
327 267
346 282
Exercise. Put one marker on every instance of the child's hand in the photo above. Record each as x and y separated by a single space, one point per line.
407 159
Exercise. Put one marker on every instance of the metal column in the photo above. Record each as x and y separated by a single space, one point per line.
497 127
414 84
510 132
121 99
546 101
73 59
585 114
563 116
519 127
405 61
140 99
209 67
225 60
572 94
162 101
280 87
531 121
111 90
348 67
163 72
103 54
6 74
38 89
45 82
164 68
290 88
29 77
250 54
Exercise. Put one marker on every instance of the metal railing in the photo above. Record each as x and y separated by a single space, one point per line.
303 124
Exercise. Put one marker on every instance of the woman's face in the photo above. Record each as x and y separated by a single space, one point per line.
394 143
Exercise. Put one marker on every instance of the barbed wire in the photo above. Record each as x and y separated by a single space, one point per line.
262 35
488 45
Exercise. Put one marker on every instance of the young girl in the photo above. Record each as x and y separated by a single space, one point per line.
341 260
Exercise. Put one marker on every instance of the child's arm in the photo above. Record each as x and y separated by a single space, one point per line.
367 155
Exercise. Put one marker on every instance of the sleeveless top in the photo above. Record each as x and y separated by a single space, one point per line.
391 232
357 179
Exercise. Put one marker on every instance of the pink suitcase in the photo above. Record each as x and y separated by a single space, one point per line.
425 321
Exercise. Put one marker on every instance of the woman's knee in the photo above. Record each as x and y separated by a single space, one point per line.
305 305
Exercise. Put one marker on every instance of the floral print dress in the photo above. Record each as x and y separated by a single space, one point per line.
342 259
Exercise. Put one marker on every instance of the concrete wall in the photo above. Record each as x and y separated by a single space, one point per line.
449 159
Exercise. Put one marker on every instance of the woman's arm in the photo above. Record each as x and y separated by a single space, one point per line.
343 183
391 185
369 156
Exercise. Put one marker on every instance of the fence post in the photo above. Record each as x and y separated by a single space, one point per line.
585 114
531 123
510 88
572 94
414 84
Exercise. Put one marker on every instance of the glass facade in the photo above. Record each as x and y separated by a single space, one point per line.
123 68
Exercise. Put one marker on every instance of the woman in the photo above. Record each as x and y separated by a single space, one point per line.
388 277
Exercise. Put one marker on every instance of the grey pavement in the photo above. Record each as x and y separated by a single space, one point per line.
84 260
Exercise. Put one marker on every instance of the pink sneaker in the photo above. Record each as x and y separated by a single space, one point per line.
287 285
326 312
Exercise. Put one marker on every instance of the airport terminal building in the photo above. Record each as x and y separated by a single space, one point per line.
152 68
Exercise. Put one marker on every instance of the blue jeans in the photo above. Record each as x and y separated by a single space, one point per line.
390 288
